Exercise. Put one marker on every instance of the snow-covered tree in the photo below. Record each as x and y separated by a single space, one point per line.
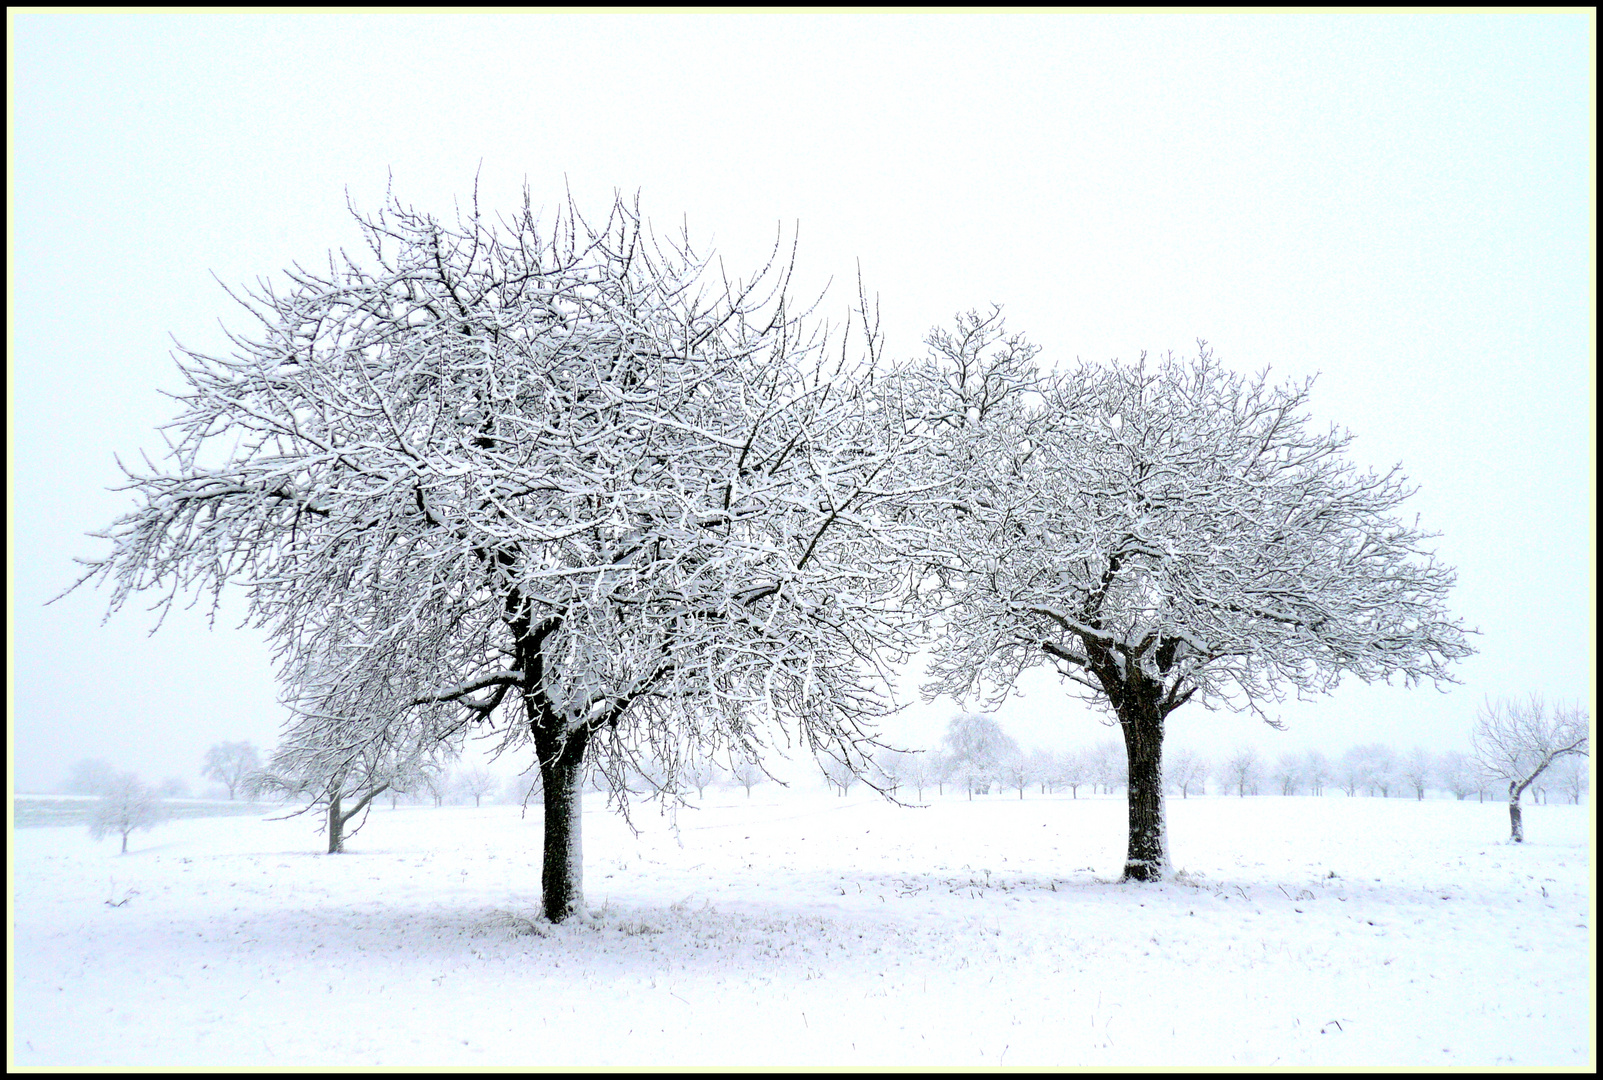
1187 769
336 768
1242 770
840 774
173 787
229 763
1170 532
1516 741
1570 774
921 768
1350 771
1454 772
1074 768
563 480
748 774
699 772
1108 766
1017 770
125 804
1378 768
1316 770
976 746
1416 769
1287 773
1043 767
91 776
475 783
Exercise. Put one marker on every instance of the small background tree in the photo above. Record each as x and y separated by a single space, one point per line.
1074 769
1187 769
1287 773
1416 769
977 746
125 804
1316 770
475 783
229 763
1571 775
1455 773
1516 741
1243 771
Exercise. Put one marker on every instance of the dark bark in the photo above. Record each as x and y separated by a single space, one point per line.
562 870
1142 724
1517 827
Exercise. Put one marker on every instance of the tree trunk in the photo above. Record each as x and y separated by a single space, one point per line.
1146 857
562 872
1517 827
124 844
336 823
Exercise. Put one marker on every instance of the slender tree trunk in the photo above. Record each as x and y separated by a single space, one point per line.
1146 857
1516 825
124 850
336 822
562 872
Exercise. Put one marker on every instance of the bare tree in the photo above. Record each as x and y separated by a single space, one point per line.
476 783
748 774
335 769
976 746
562 480
125 804
434 780
1516 741
700 773
1187 769
1570 774
1416 769
1287 773
1017 768
229 763
921 768
1378 768
1350 771
841 775
1456 773
1074 769
1317 771
1043 766
1242 770
1108 766
1163 532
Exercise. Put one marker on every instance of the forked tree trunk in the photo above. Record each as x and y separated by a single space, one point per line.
1146 855
562 871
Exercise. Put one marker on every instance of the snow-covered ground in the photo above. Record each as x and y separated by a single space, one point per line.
807 929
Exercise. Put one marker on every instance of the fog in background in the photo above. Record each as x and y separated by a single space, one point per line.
1402 204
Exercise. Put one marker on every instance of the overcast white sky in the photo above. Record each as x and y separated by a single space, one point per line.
1404 204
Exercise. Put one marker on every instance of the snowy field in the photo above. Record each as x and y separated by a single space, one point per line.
799 929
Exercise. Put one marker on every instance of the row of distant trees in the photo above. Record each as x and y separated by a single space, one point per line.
1523 745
